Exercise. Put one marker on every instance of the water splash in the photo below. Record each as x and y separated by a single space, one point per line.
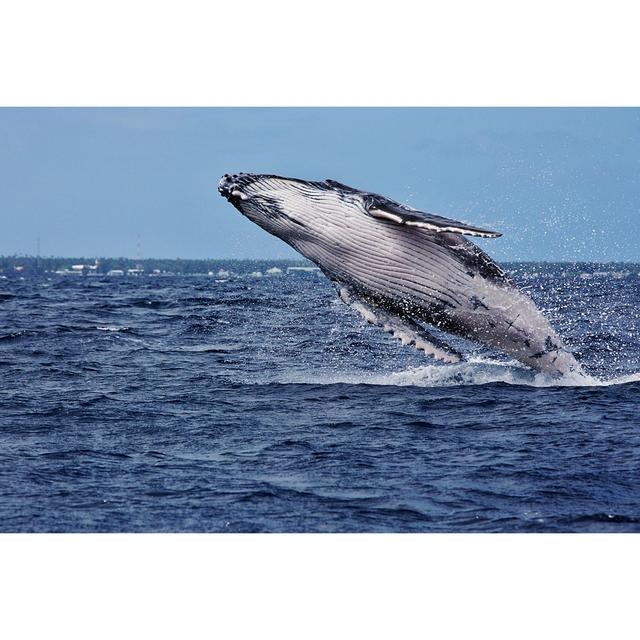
475 371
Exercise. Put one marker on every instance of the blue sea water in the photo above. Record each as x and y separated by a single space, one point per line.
263 404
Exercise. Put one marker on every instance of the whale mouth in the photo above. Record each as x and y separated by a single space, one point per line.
230 188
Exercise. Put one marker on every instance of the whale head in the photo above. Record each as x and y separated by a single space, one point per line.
292 209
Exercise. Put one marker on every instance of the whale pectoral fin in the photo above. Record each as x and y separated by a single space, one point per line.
384 209
405 330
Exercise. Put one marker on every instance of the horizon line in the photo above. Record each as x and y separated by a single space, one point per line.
267 259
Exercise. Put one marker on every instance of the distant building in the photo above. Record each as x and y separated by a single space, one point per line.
80 270
68 272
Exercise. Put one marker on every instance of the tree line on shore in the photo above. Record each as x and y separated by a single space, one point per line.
32 265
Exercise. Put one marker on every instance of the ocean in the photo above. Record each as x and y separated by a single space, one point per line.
262 404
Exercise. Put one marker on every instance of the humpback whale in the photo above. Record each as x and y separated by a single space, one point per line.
403 269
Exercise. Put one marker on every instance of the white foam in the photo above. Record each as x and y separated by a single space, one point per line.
477 371
634 377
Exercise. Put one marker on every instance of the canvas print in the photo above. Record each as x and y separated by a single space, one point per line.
319 320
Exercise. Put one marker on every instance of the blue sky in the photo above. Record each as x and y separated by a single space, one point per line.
562 184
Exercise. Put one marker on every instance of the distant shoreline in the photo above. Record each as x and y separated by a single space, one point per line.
33 265
80 266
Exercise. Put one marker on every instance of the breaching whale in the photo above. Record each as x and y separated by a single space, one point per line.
402 269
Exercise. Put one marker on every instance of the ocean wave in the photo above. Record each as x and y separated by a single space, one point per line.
322 422
18 335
